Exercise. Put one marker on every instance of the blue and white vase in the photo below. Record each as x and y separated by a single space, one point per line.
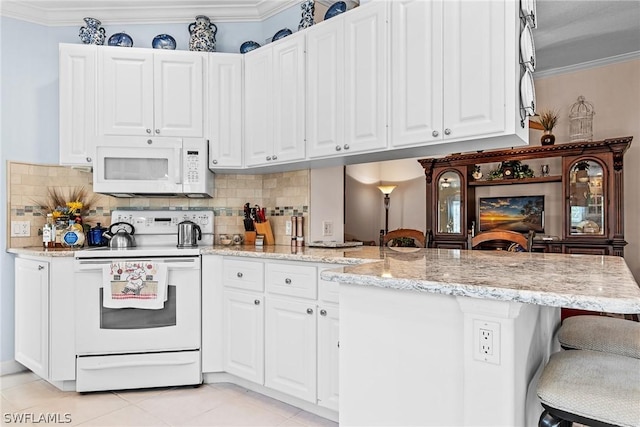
202 35
308 8
92 33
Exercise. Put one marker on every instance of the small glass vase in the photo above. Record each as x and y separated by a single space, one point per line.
547 138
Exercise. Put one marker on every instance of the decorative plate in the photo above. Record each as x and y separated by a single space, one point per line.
248 46
336 9
163 41
281 34
120 39
528 94
527 49
528 9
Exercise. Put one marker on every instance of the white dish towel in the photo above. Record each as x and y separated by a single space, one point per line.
134 284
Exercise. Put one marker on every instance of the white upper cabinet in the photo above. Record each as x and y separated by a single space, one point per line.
347 81
147 92
77 104
274 102
225 110
450 70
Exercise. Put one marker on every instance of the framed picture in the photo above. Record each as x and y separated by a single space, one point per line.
521 213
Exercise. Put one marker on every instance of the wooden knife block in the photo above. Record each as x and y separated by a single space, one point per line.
264 228
249 237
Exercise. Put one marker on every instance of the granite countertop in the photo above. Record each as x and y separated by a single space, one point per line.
589 282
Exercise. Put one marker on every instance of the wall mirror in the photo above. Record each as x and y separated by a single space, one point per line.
449 208
587 198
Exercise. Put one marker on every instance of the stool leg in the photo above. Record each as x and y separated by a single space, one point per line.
549 420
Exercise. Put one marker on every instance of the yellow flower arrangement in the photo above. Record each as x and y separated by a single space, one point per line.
77 201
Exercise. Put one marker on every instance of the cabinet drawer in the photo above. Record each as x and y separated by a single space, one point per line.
247 275
292 280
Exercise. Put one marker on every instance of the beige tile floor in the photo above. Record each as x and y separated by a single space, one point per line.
207 405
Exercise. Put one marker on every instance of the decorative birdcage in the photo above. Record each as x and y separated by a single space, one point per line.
581 121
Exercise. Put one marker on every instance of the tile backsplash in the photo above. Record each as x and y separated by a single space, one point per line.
282 194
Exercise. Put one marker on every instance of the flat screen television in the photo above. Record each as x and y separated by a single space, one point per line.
519 213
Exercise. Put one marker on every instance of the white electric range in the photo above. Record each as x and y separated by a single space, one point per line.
136 346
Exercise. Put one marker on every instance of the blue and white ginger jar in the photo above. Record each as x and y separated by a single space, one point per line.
92 33
203 35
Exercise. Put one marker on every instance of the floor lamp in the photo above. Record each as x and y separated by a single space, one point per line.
386 190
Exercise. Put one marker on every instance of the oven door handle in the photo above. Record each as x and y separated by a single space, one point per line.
116 365
173 264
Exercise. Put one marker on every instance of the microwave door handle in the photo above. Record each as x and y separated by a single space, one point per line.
178 170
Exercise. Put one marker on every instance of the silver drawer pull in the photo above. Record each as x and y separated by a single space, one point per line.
239 274
447 131
323 312
41 267
287 281
257 302
309 310
435 133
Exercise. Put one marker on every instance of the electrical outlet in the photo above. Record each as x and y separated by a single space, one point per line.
20 228
486 341
327 228
287 228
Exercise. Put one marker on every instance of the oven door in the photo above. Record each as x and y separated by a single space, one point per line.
138 165
101 330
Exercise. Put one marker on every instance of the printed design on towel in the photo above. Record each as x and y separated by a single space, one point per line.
133 280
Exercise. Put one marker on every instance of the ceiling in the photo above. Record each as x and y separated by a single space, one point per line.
569 32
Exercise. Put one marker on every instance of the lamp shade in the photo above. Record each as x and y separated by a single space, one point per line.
387 189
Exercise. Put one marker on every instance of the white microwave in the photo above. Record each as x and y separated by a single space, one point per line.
152 167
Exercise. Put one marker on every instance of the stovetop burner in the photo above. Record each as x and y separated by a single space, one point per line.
156 234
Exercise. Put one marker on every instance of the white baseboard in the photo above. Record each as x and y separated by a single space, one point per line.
10 367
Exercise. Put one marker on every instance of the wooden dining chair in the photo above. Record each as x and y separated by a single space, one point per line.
508 238
392 238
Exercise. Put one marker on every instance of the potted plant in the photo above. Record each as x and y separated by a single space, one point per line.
548 119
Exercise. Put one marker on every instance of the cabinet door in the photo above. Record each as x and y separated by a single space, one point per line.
225 107
125 91
77 104
325 89
32 315
288 99
290 347
328 355
178 94
258 107
243 331
366 61
416 72
474 64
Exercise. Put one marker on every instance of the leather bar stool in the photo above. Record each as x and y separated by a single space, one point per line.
601 333
591 388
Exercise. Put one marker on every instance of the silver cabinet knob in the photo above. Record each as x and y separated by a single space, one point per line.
157 131
287 281
346 146
148 130
309 310
447 131
149 141
435 133
256 302
338 148
41 267
274 157
88 159
214 161
239 274
323 312
268 158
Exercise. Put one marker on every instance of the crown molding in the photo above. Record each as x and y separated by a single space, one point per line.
631 56
69 13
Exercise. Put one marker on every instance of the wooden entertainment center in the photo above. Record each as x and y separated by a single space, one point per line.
589 177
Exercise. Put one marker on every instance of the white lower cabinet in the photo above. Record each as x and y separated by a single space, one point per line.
328 355
290 347
44 316
243 326
32 315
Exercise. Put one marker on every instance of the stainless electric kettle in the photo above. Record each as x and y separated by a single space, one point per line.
188 234
119 237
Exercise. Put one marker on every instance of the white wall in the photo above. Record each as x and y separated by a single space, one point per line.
29 106
327 203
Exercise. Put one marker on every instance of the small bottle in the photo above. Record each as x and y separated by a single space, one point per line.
48 233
